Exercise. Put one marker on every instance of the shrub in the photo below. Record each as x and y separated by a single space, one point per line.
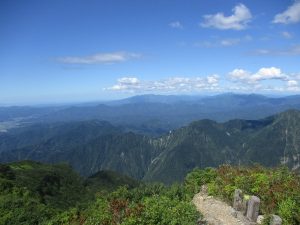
278 189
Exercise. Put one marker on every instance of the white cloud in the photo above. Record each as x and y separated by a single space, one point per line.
266 79
291 51
270 73
292 83
126 83
237 21
213 80
176 24
129 80
173 84
286 35
290 15
100 58
246 81
229 42
239 74
223 42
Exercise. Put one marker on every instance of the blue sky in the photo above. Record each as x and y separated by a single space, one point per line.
62 51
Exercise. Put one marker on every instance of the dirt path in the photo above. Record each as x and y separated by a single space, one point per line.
216 212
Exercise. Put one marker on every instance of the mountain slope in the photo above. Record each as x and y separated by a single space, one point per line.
108 180
95 146
35 193
270 142
277 143
88 146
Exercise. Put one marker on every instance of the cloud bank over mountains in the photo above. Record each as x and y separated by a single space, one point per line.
173 84
237 80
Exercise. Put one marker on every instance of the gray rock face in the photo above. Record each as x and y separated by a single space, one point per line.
275 220
253 208
238 200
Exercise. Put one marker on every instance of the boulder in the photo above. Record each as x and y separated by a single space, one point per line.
275 220
260 219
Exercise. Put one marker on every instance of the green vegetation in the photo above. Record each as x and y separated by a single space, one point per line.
31 193
145 205
109 181
35 193
278 189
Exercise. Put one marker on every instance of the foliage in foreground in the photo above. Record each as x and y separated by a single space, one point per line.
34 193
278 189
145 205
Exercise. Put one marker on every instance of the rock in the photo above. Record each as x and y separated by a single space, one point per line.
233 212
275 220
260 219
238 200
204 188
253 208
201 221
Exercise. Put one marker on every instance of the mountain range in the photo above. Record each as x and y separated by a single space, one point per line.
90 146
154 114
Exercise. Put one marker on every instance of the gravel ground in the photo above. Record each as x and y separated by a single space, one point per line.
216 212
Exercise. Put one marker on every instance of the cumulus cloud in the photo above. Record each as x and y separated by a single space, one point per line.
173 84
290 15
265 79
246 81
270 73
126 83
239 74
293 85
100 58
237 21
176 24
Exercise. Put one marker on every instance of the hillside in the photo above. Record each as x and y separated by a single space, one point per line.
109 181
35 193
93 146
271 141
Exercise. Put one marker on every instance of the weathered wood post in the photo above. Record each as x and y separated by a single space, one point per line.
238 200
253 208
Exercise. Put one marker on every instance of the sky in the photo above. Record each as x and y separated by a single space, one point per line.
55 51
